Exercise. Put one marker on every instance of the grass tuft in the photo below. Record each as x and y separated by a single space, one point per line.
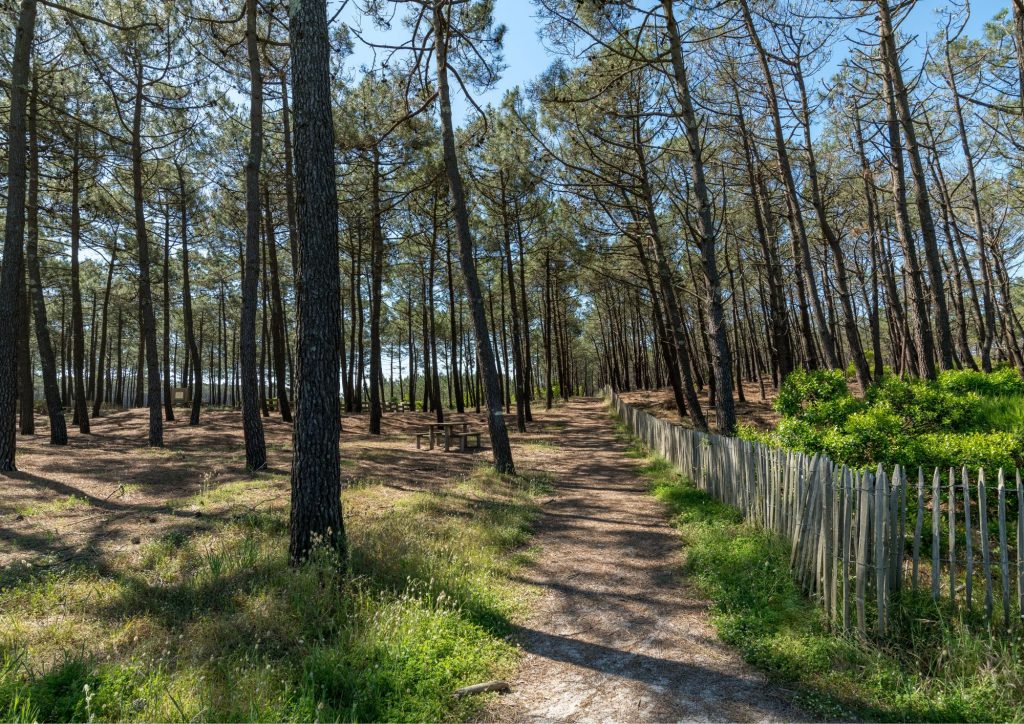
218 626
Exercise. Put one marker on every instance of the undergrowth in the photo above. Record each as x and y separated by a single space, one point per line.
932 666
964 418
217 626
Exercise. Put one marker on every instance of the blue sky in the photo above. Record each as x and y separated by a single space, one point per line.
526 57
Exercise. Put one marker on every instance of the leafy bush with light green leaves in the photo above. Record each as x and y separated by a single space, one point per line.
925 406
964 418
1003 382
803 388
989 450
876 434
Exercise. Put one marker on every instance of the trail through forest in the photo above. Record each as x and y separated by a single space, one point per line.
617 633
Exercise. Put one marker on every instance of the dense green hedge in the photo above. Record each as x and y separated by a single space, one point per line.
963 418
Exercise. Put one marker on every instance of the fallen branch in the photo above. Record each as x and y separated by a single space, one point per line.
499 686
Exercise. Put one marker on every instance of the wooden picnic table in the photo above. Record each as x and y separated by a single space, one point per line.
445 429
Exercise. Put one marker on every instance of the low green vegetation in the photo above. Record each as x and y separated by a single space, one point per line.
69 502
933 665
217 626
963 418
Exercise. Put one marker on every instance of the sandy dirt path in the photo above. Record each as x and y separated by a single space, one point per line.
617 634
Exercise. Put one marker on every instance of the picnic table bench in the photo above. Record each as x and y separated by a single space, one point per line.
464 438
444 430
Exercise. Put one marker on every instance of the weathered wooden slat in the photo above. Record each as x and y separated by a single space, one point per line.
865 495
918 525
1020 545
881 511
896 530
968 542
847 509
986 555
952 536
1004 555
936 524
827 533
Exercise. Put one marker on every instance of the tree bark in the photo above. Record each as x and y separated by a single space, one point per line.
860 362
195 354
156 426
98 401
252 424
924 210
14 230
806 284
376 290
276 314
517 347
81 415
316 519
168 378
51 389
924 341
721 359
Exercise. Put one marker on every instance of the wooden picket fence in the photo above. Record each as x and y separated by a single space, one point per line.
858 537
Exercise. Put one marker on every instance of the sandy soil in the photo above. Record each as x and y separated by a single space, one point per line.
753 411
617 634
107 491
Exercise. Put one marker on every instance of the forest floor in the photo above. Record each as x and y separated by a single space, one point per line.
609 628
753 411
107 491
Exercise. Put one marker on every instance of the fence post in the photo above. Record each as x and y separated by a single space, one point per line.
847 510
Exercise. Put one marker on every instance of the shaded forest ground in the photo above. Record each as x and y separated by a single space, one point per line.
754 411
154 584
107 492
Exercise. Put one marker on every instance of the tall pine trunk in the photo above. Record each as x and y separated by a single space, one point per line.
276 315
148 336
501 448
81 416
14 230
47 360
316 518
252 425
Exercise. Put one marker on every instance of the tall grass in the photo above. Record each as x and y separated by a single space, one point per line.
934 665
1005 413
218 626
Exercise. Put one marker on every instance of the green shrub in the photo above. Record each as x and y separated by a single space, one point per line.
796 434
1001 382
752 433
803 387
990 450
964 418
832 413
924 406
877 434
